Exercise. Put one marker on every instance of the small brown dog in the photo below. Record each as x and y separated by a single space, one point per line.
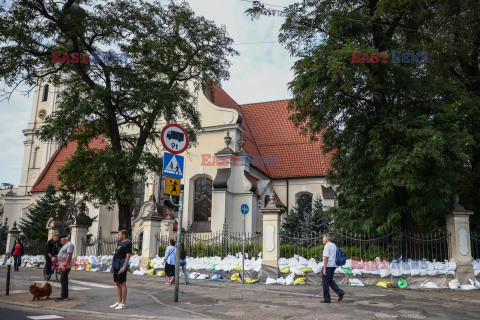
44 291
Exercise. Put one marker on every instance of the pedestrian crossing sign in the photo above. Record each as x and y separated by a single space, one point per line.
173 165
172 186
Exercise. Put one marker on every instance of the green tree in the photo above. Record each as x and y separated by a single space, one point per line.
305 219
396 140
454 30
33 226
171 54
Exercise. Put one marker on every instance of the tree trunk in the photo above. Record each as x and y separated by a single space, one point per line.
401 198
124 218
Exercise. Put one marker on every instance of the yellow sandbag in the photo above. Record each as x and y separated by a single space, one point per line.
299 281
151 264
235 277
42 265
285 270
248 280
384 284
307 270
88 267
150 272
238 267
161 273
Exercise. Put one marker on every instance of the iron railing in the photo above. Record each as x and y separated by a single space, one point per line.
475 241
394 245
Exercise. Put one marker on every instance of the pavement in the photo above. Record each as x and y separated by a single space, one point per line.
149 298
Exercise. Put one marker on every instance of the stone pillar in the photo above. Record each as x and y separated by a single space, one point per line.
167 228
54 224
459 246
13 234
271 237
79 230
151 226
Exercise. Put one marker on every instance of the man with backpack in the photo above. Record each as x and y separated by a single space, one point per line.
329 266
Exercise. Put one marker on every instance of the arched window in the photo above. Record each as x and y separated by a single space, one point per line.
36 157
202 200
45 93
304 202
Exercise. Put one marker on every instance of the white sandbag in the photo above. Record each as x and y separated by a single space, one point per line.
432 273
318 268
202 277
475 283
271 281
384 273
468 287
281 280
357 272
452 265
290 279
423 272
429 285
312 263
454 284
348 264
356 282
439 266
297 271
414 272
430 266
194 275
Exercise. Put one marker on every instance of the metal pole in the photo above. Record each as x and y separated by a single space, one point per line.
178 247
243 251
9 268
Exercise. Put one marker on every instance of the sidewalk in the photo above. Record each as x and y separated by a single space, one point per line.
148 297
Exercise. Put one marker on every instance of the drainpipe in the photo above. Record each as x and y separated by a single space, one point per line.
287 196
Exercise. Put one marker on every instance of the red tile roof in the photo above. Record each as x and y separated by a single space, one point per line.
270 134
59 158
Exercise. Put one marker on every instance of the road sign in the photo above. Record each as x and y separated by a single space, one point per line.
172 186
174 138
244 208
173 165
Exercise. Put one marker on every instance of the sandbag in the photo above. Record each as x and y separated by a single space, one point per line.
346 270
161 273
307 270
475 283
356 282
281 280
285 270
150 272
454 284
271 281
300 281
383 284
235 277
402 283
213 267
384 273
290 279
237 267
248 280
216 277
429 285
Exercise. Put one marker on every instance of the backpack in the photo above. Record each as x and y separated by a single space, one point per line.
340 259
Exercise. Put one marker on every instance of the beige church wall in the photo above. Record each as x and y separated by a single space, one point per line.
297 186
13 208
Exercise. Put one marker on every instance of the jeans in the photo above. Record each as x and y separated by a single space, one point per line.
183 264
327 281
17 261
64 282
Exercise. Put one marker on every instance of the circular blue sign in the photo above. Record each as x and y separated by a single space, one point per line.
244 209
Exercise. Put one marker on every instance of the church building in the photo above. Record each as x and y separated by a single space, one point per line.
242 154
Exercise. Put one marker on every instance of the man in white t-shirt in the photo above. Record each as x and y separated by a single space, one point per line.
329 266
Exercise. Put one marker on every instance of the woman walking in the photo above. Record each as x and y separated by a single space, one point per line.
17 253
183 262
169 262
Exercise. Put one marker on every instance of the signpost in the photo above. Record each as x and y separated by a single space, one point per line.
175 140
244 209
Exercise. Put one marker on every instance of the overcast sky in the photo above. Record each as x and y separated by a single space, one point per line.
260 73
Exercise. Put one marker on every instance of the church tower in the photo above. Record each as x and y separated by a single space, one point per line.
37 153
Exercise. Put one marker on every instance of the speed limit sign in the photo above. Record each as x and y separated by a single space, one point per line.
174 138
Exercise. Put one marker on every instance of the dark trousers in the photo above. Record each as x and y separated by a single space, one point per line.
64 282
327 281
48 264
17 261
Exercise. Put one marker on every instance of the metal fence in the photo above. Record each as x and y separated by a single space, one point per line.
33 248
219 244
394 245
475 241
106 246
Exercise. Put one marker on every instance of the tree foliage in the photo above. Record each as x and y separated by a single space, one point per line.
33 226
171 53
394 129
307 217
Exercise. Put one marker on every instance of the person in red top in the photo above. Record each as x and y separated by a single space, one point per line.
17 253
